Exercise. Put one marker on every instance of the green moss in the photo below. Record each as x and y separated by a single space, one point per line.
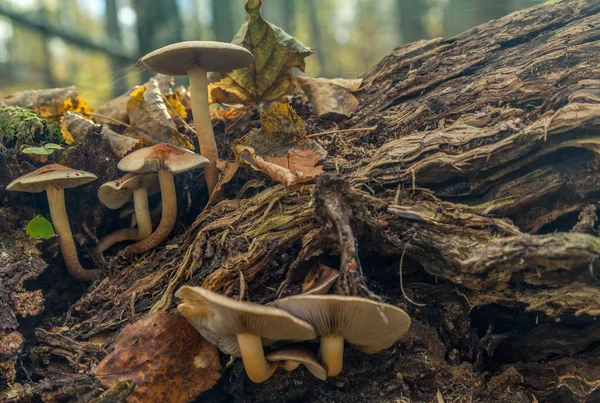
20 126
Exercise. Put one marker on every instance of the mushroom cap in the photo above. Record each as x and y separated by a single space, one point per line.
368 325
115 194
178 58
302 355
227 317
162 156
56 175
321 281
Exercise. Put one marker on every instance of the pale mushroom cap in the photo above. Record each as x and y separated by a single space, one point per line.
301 355
230 317
369 325
178 58
162 156
55 175
321 281
115 194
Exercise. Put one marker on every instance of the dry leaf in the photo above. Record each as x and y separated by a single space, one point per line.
280 148
150 119
51 104
114 112
270 76
76 127
166 359
332 99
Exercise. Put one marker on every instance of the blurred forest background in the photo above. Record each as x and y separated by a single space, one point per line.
94 44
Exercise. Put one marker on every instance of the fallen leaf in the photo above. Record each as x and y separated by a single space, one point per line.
280 148
40 228
166 359
270 75
41 154
150 120
77 127
114 113
51 104
331 99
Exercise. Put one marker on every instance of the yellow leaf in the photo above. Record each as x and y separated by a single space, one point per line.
270 76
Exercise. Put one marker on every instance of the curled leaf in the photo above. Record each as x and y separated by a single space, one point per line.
40 228
166 359
332 99
270 75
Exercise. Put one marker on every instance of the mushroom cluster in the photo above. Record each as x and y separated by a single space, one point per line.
242 329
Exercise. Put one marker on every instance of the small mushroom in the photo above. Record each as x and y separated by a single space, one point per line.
166 160
292 357
247 321
321 281
54 179
195 59
368 325
115 194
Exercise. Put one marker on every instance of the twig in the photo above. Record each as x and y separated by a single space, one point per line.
109 118
355 129
401 284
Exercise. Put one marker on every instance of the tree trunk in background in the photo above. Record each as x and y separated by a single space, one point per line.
410 19
49 80
158 24
113 31
289 14
317 42
222 24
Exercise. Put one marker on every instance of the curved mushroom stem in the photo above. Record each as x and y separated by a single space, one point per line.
332 354
253 356
168 218
204 130
144 222
60 220
290 365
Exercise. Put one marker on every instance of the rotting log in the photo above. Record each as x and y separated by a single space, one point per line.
486 152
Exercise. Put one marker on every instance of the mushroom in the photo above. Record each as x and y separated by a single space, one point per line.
115 194
166 160
54 179
292 357
196 58
321 281
129 211
368 325
247 321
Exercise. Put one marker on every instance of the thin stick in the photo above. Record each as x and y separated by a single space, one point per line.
401 284
109 118
356 129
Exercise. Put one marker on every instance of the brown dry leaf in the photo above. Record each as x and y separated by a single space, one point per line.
332 99
166 358
114 112
228 170
280 148
270 75
76 127
52 103
150 119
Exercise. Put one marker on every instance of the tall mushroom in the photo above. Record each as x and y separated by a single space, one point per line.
368 325
195 59
247 321
54 179
166 160
115 194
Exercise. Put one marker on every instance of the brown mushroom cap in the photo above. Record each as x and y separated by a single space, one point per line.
178 58
162 156
115 194
368 325
55 175
300 355
229 317
321 280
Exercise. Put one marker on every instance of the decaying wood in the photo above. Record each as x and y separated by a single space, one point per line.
482 173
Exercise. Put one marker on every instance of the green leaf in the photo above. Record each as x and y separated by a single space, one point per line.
270 75
52 146
45 150
40 228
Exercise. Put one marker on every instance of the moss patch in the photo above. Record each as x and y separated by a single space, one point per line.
20 126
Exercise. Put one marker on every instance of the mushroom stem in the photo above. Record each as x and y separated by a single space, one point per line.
253 356
290 365
60 219
332 354
168 218
204 130
144 222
